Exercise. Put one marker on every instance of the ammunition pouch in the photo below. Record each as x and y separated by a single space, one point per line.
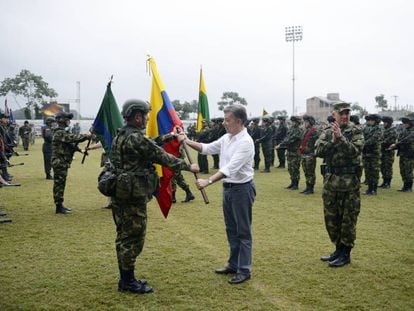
107 181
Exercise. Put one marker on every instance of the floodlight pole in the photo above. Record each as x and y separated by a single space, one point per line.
293 33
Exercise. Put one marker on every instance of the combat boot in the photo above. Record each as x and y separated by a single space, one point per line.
290 186
174 200
334 255
295 185
128 283
386 183
343 259
266 170
48 176
369 190
309 190
408 187
60 209
188 197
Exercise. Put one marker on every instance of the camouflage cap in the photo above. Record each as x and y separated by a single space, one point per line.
374 117
64 116
339 107
387 119
295 119
308 118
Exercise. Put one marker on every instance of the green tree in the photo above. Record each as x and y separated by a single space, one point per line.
381 102
230 98
29 86
184 109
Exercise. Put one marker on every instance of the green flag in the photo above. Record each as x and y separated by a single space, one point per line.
108 121
203 112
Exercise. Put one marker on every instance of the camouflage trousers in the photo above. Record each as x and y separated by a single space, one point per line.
371 169
47 162
308 166
131 224
256 155
341 210
26 142
267 154
178 179
387 160
406 168
293 159
59 183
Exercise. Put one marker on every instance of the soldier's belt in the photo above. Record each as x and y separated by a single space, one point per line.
342 170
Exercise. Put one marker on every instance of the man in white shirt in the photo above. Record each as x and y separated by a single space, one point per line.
236 150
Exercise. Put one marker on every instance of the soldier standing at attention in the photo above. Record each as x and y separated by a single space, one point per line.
340 144
280 135
266 140
24 133
307 151
254 131
133 156
405 146
292 143
387 155
47 134
64 144
371 154
203 137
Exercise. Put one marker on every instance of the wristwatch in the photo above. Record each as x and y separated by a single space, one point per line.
210 182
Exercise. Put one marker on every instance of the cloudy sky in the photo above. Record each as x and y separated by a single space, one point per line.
359 49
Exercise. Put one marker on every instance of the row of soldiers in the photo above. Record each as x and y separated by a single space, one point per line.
298 143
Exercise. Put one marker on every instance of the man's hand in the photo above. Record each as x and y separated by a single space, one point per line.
336 130
392 147
194 168
181 137
202 183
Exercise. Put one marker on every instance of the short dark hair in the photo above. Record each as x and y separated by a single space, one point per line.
238 111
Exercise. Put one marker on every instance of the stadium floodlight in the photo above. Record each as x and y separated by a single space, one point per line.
293 34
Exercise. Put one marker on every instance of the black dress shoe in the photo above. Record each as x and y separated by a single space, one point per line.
239 278
225 270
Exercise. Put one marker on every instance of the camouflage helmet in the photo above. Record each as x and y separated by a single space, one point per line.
408 120
295 119
309 118
281 118
132 105
63 116
49 120
374 117
354 119
387 119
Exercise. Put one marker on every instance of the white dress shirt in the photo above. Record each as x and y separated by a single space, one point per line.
236 156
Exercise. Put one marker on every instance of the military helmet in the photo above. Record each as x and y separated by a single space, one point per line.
310 119
281 118
132 105
220 119
295 119
49 120
64 116
408 119
354 119
266 118
374 117
387 119
255 120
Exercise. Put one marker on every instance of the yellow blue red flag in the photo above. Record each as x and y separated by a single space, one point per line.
162 120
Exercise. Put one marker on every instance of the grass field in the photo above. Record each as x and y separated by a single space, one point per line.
68 262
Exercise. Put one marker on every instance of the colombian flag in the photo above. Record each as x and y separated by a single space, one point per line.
203 112
162 120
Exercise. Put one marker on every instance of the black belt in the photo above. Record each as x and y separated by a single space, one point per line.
231 185
342 170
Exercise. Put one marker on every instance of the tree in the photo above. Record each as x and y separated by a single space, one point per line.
381 102
184 109
361 112
30 86
230 98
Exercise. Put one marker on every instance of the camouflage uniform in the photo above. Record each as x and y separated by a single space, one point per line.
134 154
47 134
341 195
280 135
266 140
292 143
307 151
405 146
255 132
24 133
272 152
387 155
371 153
203 137
64 144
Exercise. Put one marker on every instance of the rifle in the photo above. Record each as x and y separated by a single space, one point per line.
16 164
19 154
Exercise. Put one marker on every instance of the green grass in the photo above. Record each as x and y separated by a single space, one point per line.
59 262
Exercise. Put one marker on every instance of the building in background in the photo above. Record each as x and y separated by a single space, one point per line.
321 107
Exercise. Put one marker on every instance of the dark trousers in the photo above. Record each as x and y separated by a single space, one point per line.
237 209
281 156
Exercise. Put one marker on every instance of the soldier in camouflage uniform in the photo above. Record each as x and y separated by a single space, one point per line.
387 155
340 144
292 143
47 134
371 154
25 133
405 147
255 132
307 151
280 135
272 152
203 137
64 144
178 179
216 132
133 156
266 140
